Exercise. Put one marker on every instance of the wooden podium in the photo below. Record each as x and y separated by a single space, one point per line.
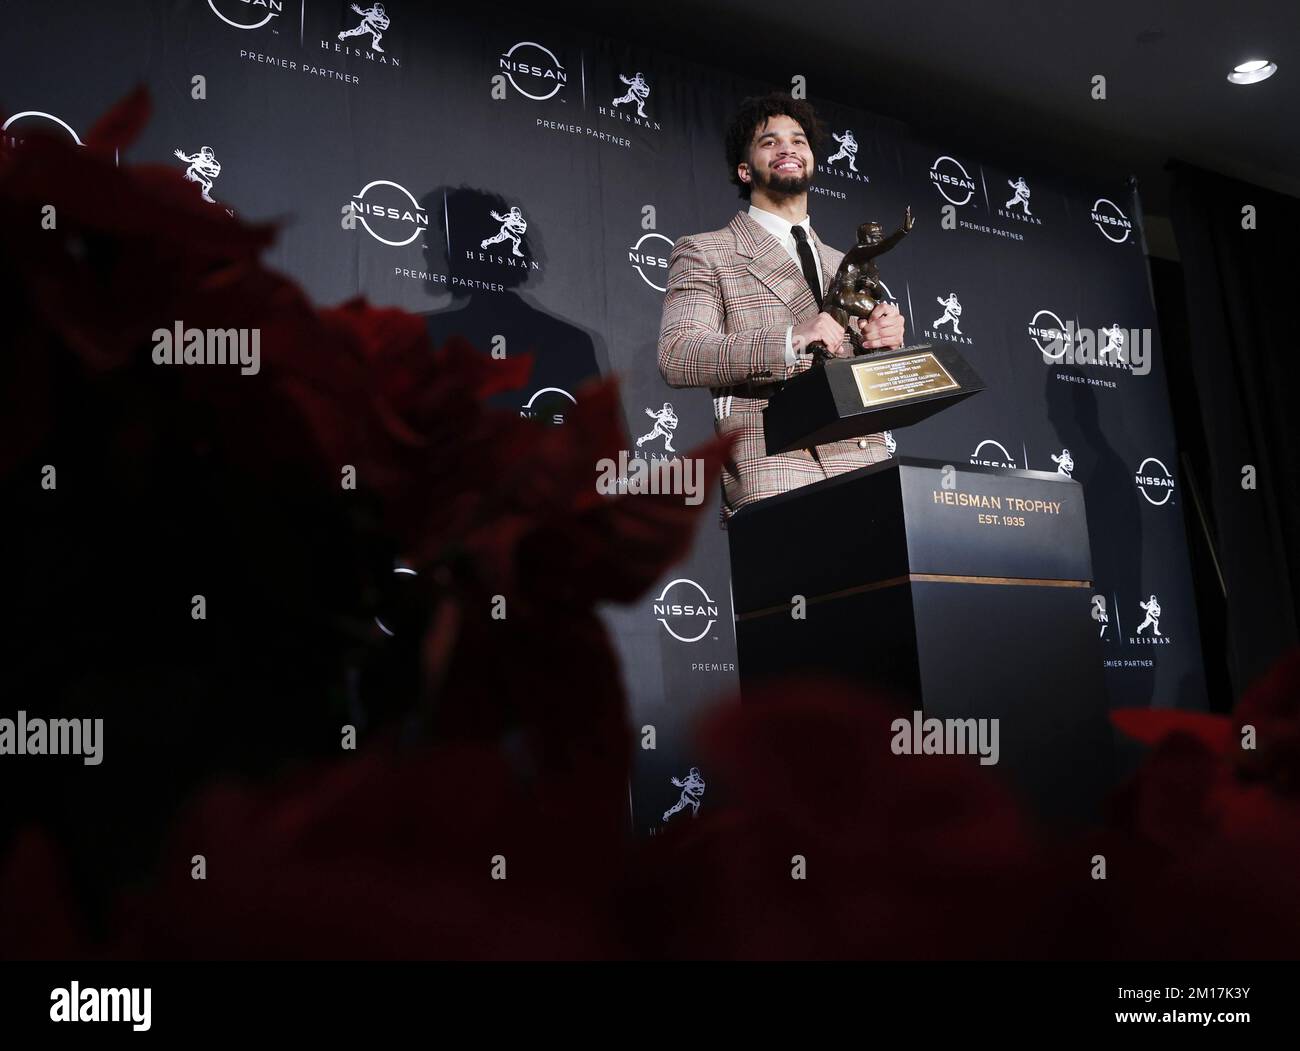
964 591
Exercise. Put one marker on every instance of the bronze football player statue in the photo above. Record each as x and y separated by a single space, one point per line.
856 290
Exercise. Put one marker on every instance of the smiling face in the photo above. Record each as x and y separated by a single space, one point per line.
780 158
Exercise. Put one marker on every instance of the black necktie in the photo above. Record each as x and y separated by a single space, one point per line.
806 261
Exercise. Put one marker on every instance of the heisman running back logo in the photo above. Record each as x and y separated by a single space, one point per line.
951 312
947 326
513 228
1154 637
1020 196
1017 208
692 792
1114 348
203 169
637 92
1064 463
1152 608
848 152
848 149
374 20
665 423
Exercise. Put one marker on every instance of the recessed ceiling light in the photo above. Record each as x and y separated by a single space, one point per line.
1252 72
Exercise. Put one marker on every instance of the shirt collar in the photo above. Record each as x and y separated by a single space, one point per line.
776 225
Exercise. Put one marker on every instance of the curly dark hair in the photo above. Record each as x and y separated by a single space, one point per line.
754 113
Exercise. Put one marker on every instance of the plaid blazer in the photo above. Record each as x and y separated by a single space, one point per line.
731 295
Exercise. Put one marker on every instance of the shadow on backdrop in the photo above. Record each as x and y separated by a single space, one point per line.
564 354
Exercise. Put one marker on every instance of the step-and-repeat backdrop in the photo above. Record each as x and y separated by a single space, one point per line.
516 178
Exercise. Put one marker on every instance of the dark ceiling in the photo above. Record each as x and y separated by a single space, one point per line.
1022 70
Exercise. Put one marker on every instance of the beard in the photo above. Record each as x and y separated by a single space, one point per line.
784 185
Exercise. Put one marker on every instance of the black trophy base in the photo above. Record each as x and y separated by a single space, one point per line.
849 397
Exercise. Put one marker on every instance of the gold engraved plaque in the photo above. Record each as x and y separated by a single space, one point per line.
897 379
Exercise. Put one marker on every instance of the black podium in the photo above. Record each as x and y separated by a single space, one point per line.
964 591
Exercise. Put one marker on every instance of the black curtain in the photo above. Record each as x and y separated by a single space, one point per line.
1244 337
1193 471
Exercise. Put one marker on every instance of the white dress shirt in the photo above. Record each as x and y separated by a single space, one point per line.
780 229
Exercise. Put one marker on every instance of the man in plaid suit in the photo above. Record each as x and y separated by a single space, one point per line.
741 309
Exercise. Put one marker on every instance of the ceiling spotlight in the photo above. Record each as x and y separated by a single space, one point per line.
1252 72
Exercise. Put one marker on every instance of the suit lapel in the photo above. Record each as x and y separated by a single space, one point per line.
771 264
829 265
